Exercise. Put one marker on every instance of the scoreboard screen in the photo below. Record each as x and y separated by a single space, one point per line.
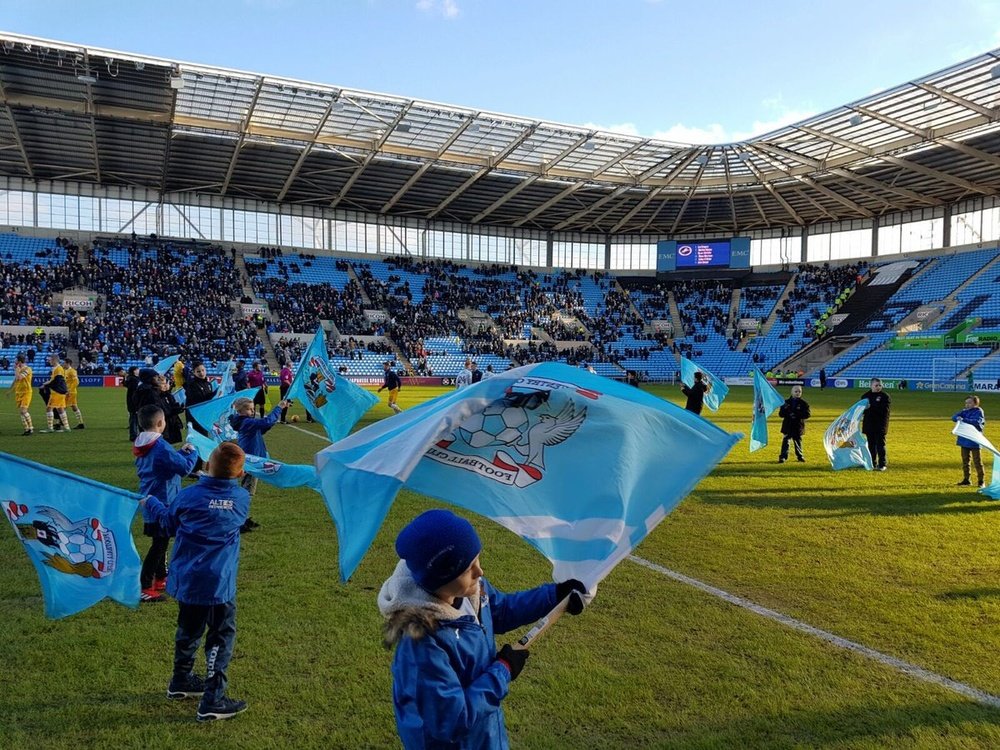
702 254
695 255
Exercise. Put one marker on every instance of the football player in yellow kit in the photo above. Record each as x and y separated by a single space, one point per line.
72 386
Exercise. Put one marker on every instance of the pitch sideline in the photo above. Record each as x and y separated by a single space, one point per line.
974 694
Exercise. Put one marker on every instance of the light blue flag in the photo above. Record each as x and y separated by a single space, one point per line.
225 386
579 466
967 431
765 400
719 390
270 470
180 396
164 365
76 532
845 444
333 401
214 415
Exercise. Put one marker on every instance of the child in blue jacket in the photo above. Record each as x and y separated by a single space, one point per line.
250 430
206 519
973 415
160 469
441 614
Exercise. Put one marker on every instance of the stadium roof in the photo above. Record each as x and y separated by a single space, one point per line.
71 112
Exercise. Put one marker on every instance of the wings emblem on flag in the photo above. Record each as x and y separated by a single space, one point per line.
506 441
321 382
84 548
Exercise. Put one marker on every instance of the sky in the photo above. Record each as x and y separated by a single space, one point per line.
690 72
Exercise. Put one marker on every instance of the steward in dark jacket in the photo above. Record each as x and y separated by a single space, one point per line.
794 413
875 424
197 390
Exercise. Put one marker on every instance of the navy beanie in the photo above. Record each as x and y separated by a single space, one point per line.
438 547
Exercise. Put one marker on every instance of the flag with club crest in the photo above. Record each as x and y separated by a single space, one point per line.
718 391
846 446
333 401
765 400
265 468
225 386
579 466
214 414
969 432
76 532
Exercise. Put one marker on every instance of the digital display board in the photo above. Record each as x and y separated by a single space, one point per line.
702 254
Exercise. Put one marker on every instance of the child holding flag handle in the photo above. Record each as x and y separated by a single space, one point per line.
441 615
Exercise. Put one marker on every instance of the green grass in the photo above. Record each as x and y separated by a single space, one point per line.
902 561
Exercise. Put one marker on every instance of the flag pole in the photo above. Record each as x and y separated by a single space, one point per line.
526 641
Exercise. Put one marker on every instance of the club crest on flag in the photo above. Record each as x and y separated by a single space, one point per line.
506 441
84 548
264 465
320 382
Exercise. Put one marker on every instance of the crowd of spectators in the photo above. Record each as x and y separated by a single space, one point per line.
164 299
815 289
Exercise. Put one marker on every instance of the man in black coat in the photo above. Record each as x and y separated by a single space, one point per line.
875 424
794 413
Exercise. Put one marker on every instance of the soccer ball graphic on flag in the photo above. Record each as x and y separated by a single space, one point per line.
84 548
498 424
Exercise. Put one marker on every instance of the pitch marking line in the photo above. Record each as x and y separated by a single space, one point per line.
912 670
307 432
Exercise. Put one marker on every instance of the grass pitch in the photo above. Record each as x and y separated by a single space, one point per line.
902 561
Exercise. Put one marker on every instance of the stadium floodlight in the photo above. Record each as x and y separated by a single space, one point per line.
856 120
176 81
995 72
87 78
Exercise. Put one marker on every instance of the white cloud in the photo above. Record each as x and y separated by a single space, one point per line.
714 133
446 8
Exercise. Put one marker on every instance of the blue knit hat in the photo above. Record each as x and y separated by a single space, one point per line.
438 547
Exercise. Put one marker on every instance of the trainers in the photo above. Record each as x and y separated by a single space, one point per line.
27 432
982 484
188 686
151 595
224 708
159 584
80 426
46 431
249 525
782 460
965 483
882 468
800 459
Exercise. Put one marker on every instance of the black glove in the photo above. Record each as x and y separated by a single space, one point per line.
513 659
575 587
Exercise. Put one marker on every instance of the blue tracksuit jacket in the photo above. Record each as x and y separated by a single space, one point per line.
251 431
205 519
974 416
160 468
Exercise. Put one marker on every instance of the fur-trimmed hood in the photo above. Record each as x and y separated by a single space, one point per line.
408 609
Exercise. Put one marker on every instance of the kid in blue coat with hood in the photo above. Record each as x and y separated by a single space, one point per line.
441 615
250 430
206 519
160 469
973 415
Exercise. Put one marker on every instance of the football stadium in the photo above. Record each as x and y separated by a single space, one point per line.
347 352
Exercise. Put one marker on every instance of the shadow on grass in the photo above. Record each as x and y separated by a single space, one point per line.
976 593
955 722
834 505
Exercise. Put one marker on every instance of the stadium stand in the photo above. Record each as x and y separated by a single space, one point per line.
160 297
